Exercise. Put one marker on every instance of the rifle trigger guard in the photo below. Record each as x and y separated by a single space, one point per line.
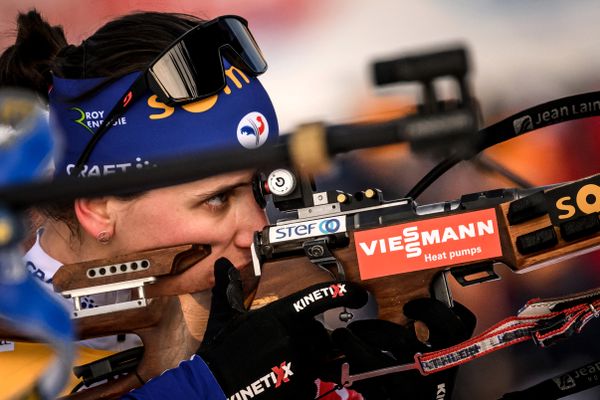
318 252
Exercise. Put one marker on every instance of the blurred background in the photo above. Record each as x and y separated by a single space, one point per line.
523 53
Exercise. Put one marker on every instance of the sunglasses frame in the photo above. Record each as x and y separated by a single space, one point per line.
226 39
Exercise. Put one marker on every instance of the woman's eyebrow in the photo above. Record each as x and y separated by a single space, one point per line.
222 189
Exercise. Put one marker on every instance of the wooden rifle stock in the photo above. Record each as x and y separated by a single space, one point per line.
161 324
531 239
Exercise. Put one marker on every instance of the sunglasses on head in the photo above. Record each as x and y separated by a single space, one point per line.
190 69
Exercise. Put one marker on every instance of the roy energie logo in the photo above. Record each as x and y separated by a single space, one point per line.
91 120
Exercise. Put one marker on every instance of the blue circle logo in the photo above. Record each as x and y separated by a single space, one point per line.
253 130
329 226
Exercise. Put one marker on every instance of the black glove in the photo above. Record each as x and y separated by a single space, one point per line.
374 344
274 352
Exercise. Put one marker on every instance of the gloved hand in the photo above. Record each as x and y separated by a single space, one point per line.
274 352
374 344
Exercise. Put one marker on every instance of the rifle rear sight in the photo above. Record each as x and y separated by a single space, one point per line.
291 191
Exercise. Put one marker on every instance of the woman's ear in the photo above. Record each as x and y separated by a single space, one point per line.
95 218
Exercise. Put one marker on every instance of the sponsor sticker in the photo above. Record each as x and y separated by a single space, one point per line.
426 244
272 380
300 230
332 291
253 130
574 200
564 382
5 345
523 124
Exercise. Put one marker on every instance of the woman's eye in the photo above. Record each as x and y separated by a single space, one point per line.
217 201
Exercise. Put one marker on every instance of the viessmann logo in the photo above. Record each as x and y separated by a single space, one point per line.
430 243
307 229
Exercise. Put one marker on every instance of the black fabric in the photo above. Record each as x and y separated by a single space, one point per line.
253 350
574 381
374 344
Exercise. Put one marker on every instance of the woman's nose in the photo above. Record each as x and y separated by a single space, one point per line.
250 218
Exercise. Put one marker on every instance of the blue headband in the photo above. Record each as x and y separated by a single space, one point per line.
241 115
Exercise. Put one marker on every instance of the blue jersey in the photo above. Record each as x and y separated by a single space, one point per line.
190 380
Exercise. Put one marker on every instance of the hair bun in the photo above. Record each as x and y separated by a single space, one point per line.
28 63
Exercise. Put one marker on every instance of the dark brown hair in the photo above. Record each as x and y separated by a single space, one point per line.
27 63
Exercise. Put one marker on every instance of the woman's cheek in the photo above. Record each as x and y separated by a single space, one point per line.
221 228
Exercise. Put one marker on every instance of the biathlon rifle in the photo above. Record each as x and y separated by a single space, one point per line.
162 319
335 234
397 249
400 250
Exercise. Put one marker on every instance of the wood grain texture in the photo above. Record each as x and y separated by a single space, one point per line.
171 260
561 251
285 276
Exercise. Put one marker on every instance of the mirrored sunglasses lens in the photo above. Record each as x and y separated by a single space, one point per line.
183 78
245 45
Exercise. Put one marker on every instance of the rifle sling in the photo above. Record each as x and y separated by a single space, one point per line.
543 321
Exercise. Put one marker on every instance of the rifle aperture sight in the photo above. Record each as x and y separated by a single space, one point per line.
291 191
280 182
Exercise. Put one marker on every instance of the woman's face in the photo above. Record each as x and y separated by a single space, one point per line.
218 211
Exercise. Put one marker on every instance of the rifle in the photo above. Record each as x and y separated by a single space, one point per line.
341 216
145 313
529 228
401 251
365 238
